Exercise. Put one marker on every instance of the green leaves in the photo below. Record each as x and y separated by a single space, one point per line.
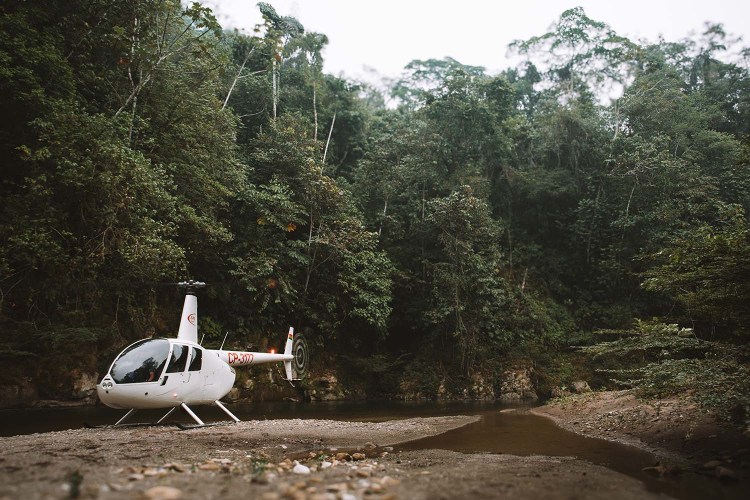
662 359
301 245
707 271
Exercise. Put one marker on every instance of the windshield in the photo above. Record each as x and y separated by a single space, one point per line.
141 362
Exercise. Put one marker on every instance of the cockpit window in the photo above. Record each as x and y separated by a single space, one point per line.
141 362
179 358
196 360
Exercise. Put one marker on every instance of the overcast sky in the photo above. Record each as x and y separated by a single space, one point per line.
387 34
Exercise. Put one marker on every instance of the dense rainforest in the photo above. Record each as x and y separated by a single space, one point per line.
583 213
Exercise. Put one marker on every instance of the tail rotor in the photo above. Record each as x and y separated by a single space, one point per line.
296 346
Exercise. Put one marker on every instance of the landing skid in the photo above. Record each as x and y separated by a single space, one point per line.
127 426
160 423
187 427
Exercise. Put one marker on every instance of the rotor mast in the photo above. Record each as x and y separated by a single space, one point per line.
189 319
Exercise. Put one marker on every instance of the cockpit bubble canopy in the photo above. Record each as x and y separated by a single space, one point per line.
141 362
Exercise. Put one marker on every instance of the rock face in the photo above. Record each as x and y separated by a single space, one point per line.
481 388
558 392
234 395
325 388
516 386
580 386
24 393
84 384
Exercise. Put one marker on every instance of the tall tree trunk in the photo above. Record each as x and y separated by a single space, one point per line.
385 210
237 77
315 111
325 152
274 89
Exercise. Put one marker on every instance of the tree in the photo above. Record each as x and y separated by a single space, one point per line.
707 271
469 298
301 247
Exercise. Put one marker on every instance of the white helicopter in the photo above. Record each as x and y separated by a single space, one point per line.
174 372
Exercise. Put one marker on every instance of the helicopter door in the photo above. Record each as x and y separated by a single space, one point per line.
177 363
195 364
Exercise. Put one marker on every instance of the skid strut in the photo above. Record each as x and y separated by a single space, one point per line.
226 410
190 412
126 416
166 415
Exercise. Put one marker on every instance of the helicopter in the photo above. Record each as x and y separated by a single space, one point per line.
172 373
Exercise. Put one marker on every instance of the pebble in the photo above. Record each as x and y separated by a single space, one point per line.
725 473
325 465
388 481
358 456
135 477
162 493
300 469
337 487
658 470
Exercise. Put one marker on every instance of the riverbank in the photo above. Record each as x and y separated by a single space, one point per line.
317 459
675 429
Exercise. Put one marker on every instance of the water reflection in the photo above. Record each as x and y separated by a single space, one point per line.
32 420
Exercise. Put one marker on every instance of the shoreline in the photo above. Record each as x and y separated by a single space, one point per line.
274 459
682 436
334 459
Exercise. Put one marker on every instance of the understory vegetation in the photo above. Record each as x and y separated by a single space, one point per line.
453 223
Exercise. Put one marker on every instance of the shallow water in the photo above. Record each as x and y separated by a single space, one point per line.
507 432
522 433
32 420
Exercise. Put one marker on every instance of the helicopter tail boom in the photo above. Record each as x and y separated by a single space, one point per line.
294 357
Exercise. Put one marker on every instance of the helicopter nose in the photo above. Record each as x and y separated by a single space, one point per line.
106 392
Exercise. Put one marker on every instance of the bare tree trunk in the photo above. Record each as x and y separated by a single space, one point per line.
311 255
315 111
325 152
593 223
237 77
132 119
385 209
274 89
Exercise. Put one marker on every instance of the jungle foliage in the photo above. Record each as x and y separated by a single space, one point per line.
478 217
